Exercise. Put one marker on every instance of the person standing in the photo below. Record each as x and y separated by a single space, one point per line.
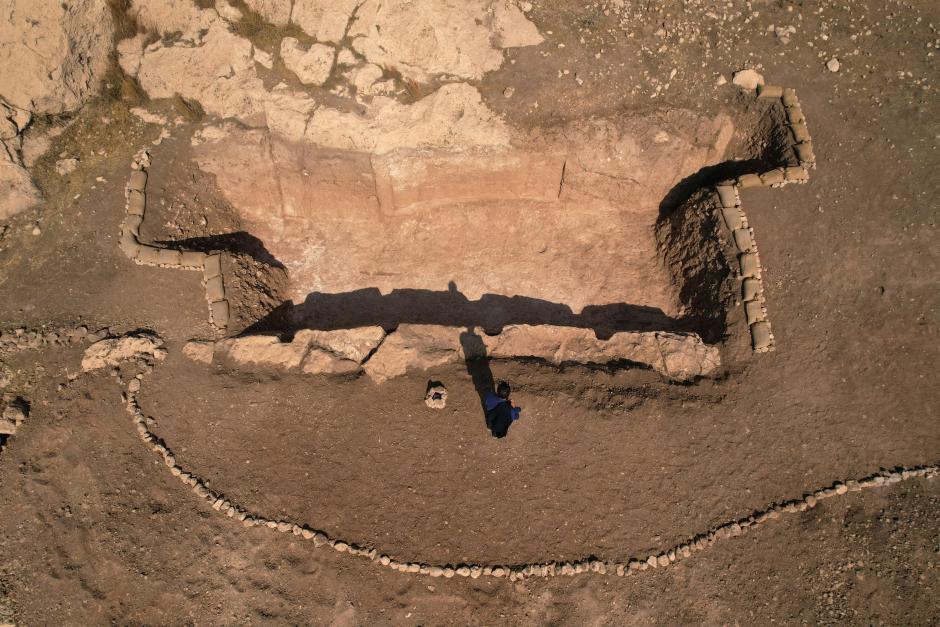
500 411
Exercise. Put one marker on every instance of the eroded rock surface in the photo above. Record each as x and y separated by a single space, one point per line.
113 351
53 54
17 191
426 37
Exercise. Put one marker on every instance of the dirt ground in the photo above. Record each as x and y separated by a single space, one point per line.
609 464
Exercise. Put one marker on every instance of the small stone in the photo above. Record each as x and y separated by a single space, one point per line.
833 64
810 501
436 397
341 547
747 79
509 91
436 571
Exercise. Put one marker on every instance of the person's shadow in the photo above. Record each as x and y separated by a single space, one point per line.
478 366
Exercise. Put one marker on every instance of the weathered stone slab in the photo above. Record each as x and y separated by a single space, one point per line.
113 351
266 350
414 347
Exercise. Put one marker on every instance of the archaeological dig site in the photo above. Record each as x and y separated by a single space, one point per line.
476 312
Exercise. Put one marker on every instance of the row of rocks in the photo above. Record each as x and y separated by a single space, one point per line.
26 339
678 356
658 560
734 218
148 255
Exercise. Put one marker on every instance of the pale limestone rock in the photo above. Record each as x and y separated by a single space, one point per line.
365 77
219 73
228 11
275 11
287 112
346 57
747 79
113 351
17 191
266 350
423 38
353 344
66 166
264 59
199 351
681 357
53 54
171 16
414 347
312 66
320 361
454 117
324 20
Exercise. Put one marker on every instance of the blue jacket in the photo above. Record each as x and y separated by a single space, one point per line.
499 414
492 401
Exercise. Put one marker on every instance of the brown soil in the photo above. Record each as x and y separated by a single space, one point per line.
94 530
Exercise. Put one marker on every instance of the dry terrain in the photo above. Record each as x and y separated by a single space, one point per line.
481 167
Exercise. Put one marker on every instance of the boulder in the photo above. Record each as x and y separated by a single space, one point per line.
414 347
352 344
113 351
266 350
54 53
319 361
311 65
199 351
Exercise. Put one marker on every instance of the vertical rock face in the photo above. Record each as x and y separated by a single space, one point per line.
52 53
17 191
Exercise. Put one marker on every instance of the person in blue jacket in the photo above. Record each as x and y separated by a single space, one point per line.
500 412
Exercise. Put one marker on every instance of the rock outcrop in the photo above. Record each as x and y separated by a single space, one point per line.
53 54
113 351
412 347
17 191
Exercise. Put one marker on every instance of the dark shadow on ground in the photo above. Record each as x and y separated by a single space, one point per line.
238 242
478 366
369 307
710 175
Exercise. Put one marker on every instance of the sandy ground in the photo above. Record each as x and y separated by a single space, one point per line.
94 530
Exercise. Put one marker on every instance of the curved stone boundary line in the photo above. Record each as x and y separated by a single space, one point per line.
734 218
148 255
657 560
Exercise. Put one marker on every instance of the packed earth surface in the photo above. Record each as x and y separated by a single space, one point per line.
262 260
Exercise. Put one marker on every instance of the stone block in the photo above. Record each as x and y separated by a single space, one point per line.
215 290
750 288
136 203
800 132
192 259
749 180
773 177
760 335
728 195
749 265
769 91
743 240
319 361
149 255
132 224
732 218
129 245
796 173
352 344
220 313
795 114
804 152
169 257
137 181
789 97
753 312
213 266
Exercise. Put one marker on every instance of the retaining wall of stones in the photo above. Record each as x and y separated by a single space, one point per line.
735 219
210 264
217 501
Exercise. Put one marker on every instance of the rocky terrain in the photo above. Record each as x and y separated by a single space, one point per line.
260 259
